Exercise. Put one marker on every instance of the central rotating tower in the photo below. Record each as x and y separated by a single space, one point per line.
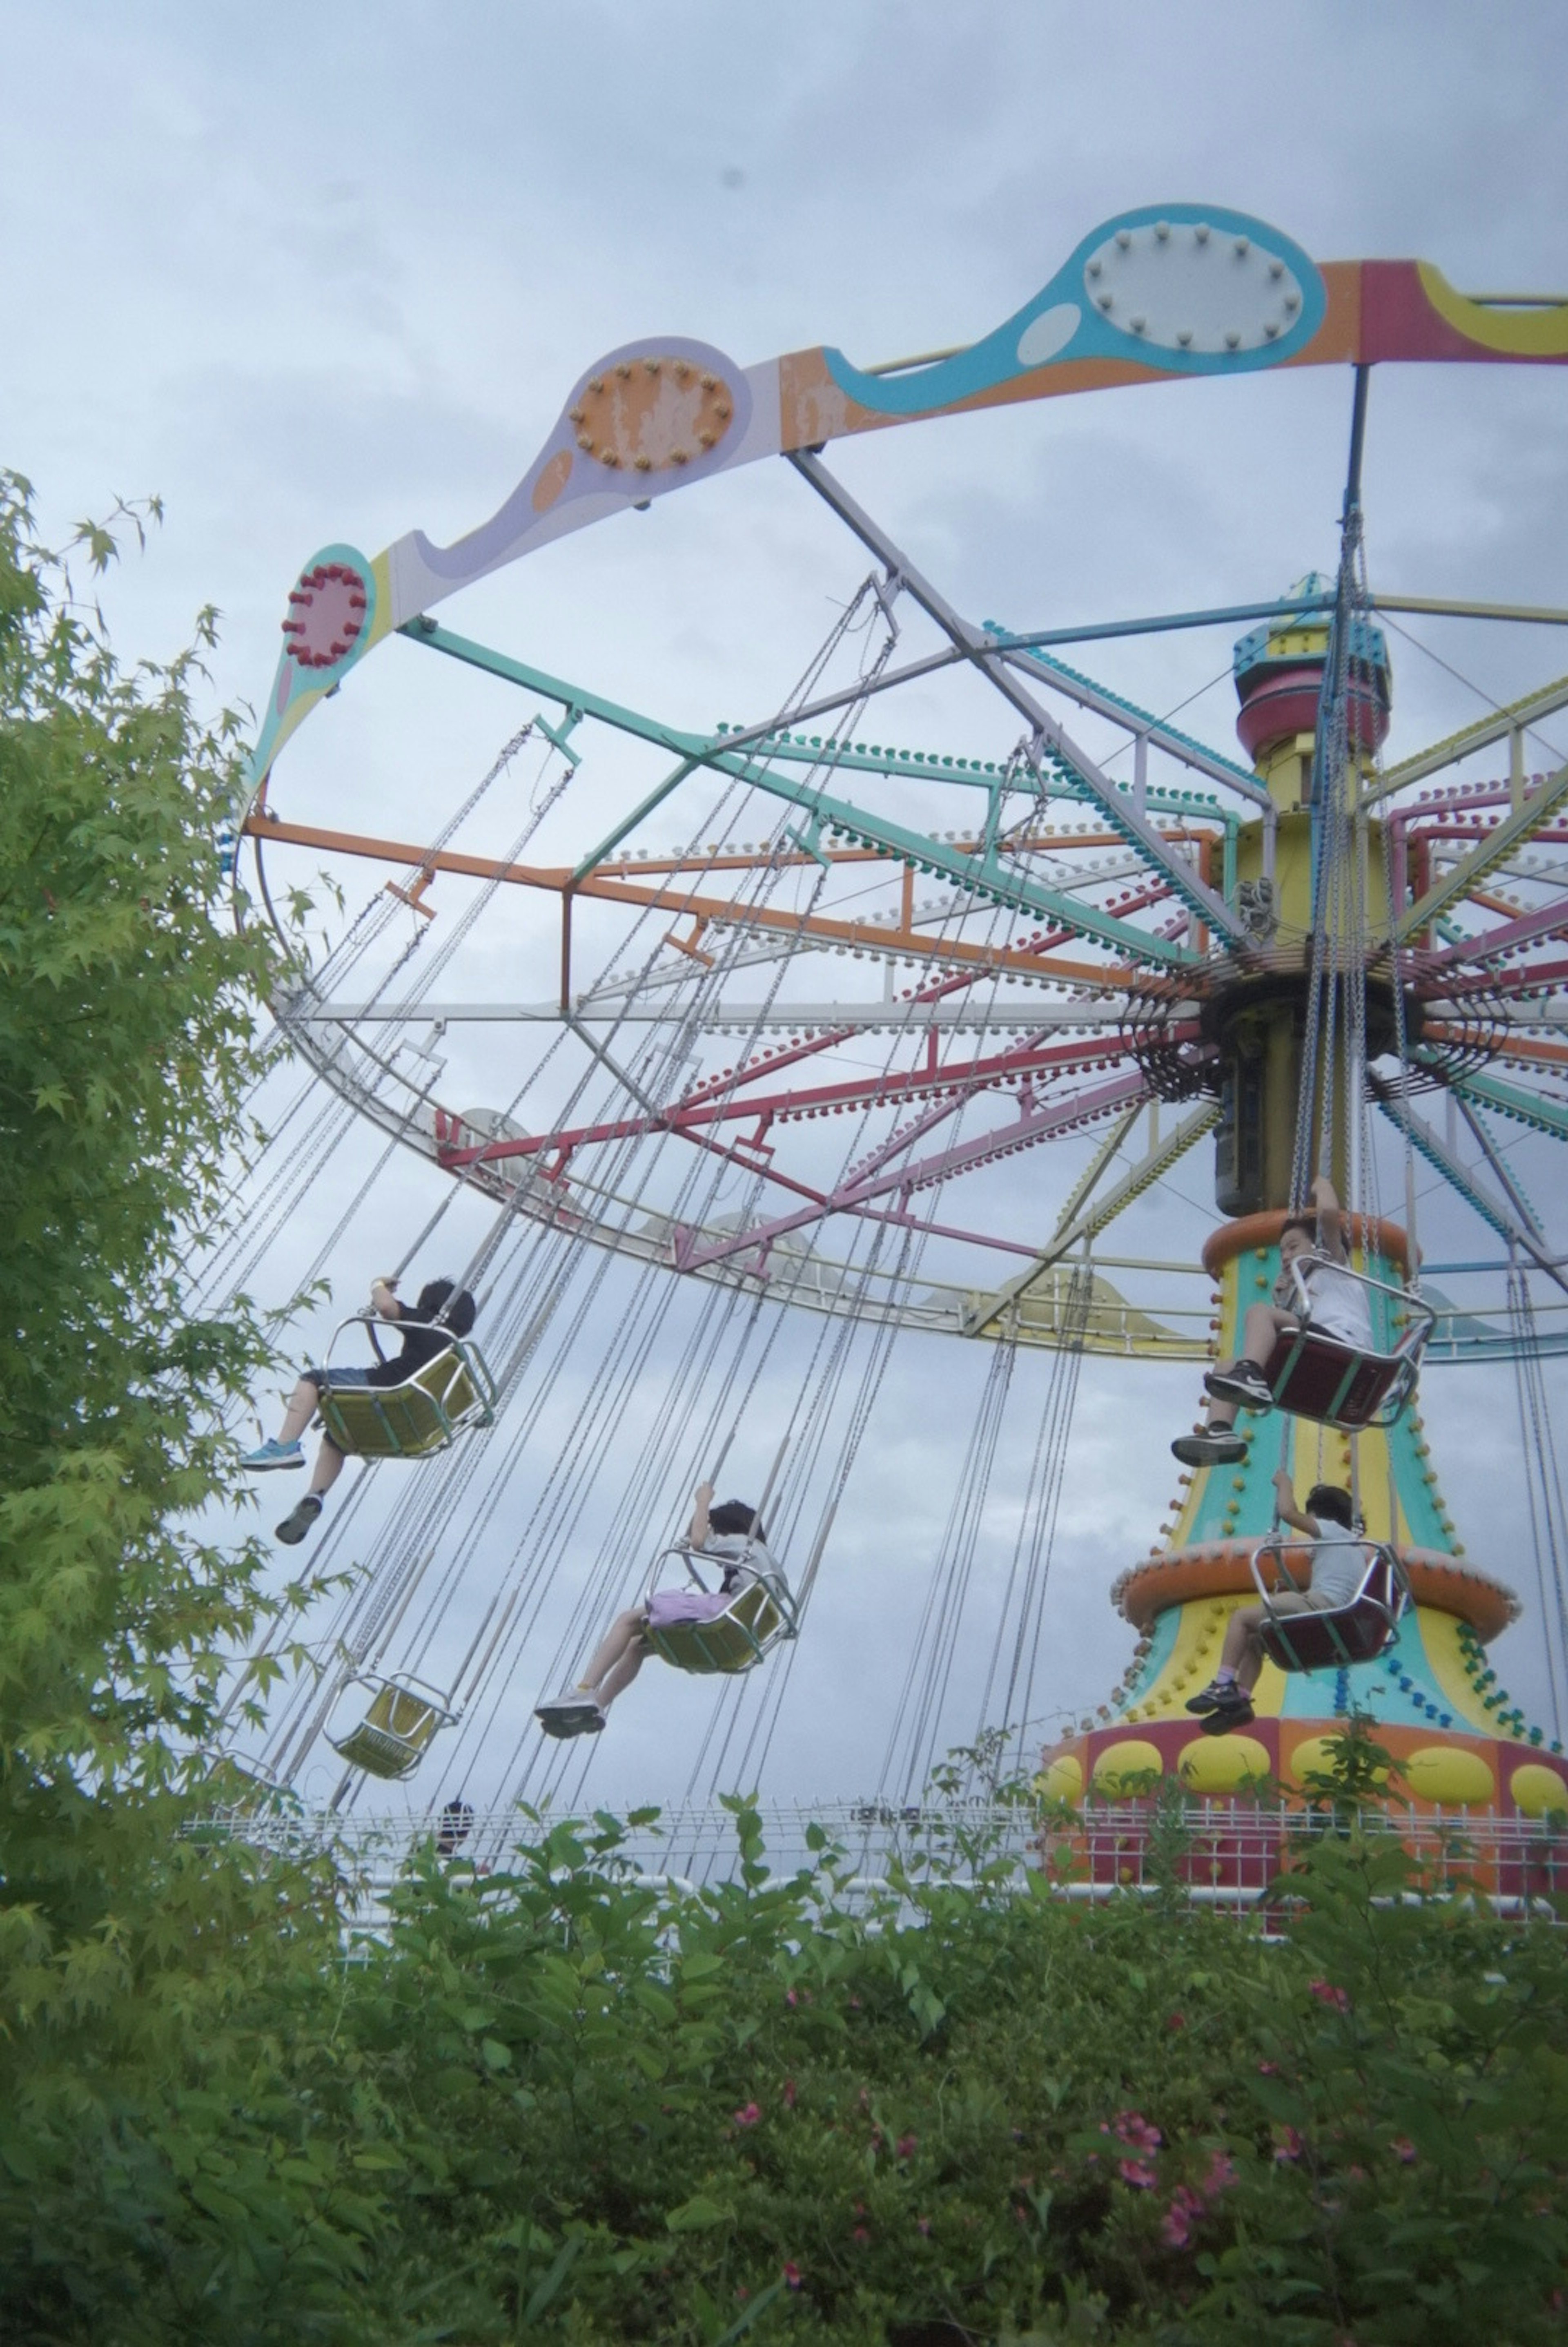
1436 1705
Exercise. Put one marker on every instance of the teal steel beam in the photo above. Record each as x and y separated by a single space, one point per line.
1514 1102
985 875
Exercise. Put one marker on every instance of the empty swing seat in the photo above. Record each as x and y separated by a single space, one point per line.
758 1616
1318 1376
422 1415
1332 1637
396 1730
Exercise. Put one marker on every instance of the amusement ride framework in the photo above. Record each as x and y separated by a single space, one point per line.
1113 934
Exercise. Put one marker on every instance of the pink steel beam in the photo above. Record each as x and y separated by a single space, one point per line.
935 991
688 1117
1546 921
1036 1124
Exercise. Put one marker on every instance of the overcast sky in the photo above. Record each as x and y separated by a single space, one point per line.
325 272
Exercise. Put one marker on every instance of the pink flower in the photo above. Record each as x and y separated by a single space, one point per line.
788 2094
1135 2130
859 2234
1403 2149
1220 2176
1327 1994
1136 2173
1176 2229
1175 2021
748 2115
792 2273
1268 2069
907 2147
1290 2144
791 1998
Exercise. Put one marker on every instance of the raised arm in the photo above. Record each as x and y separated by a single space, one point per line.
383 1299
697 1535
1330 1219
1286 1509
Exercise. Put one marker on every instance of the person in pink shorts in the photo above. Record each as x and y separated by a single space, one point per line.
730 1535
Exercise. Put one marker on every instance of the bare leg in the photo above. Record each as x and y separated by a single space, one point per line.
328 1466
616 1681
301 1410
623 1636
1242 1653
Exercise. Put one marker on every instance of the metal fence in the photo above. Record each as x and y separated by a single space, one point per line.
1229 1854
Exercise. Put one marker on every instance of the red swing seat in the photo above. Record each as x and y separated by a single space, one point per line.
1314 1374
1336 1636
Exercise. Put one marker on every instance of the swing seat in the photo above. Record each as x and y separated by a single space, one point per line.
1337 1636
419 1417
396 1731
759 1616
1323 1377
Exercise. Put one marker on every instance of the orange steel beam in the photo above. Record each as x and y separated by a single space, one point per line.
556 880
1529 1049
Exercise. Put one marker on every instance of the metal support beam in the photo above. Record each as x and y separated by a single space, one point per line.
1144 726
987 877
988 658
1501 1217
1516 719
1497 847
1085 1226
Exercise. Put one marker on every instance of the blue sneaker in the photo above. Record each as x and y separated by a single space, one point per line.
273 1453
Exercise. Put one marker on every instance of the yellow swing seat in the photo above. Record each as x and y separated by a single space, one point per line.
759 1616
397 1729
421 1416
1332 1637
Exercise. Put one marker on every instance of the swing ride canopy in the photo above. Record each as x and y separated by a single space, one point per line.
1089 929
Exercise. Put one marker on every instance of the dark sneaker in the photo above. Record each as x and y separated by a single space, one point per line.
298 1520
1227 1716
570 1714
1208 1698
1209 1449
1244 1383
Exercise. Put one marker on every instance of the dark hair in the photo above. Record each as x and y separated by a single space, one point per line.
433 1298
736 1516
1329 1500
1308 1223
456 1819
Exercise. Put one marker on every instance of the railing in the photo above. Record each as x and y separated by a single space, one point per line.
1231 1854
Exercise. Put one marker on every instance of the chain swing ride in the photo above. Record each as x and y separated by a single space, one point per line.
1109 954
